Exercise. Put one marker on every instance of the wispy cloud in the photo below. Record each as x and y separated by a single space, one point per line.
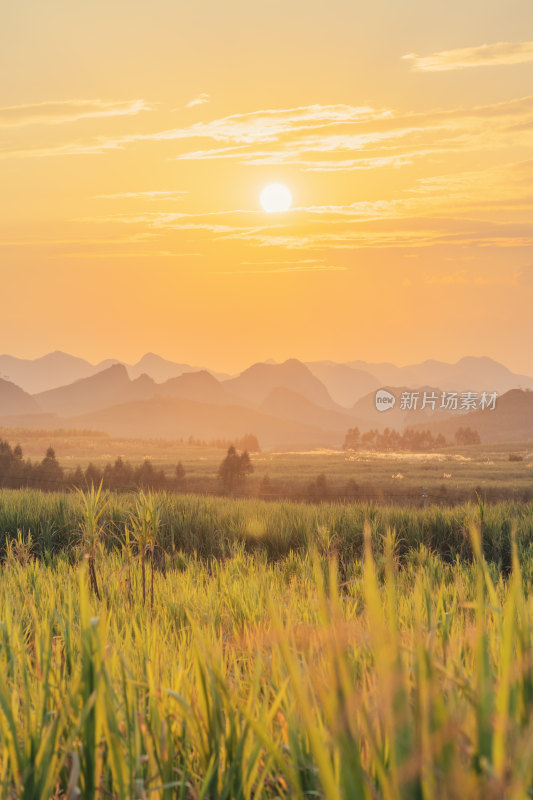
269 124
96 147
54 112
327 138
343 138
485 55
167 194
202 98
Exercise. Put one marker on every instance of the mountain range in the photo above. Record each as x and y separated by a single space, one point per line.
285 404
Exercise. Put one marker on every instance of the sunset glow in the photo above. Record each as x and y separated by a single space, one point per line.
136 165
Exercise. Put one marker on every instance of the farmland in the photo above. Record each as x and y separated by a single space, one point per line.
454 474
242 649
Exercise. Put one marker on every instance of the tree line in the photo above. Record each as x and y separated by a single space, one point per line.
391 440
17 473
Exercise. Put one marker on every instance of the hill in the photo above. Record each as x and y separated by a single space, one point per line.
345 384
172 418
106 388
199 385
469 374
14 400
47 372
510 421
257 382
284 403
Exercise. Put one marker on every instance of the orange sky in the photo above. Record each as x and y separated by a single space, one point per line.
135 139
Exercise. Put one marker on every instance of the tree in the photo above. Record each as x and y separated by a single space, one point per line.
249 442
49 473
77 478
352 440
234 469
180 478
467 435
93 476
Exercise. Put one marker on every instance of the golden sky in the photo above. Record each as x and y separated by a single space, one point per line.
135 138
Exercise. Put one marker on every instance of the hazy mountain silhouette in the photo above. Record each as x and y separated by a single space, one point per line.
60 369
106 388
14 400
291 402
474 374
345 384
286 404
510 421
173 418
201 386
257 382
47 372
161 369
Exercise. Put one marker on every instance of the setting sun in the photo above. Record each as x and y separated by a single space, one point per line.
275 197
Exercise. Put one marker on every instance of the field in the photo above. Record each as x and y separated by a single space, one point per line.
183 647
455 474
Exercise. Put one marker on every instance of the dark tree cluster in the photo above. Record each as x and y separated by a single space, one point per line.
391 440
17 472
233 470
467 436
123 476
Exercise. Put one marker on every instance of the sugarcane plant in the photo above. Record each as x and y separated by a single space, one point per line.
145 523
93 504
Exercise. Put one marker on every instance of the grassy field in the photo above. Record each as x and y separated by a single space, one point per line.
320 654
454 474
210 527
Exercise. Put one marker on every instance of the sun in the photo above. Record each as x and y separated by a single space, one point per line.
275 197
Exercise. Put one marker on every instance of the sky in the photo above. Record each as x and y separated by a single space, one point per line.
136 137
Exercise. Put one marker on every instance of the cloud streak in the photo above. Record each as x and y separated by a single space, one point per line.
166 194
325 138
485 55
54 112
199 101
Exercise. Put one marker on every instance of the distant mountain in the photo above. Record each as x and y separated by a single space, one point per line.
161 369
60 369
14 400
510 421
106 388
345 384
285 404
173 418
257 382
201 386
39 374
469 374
